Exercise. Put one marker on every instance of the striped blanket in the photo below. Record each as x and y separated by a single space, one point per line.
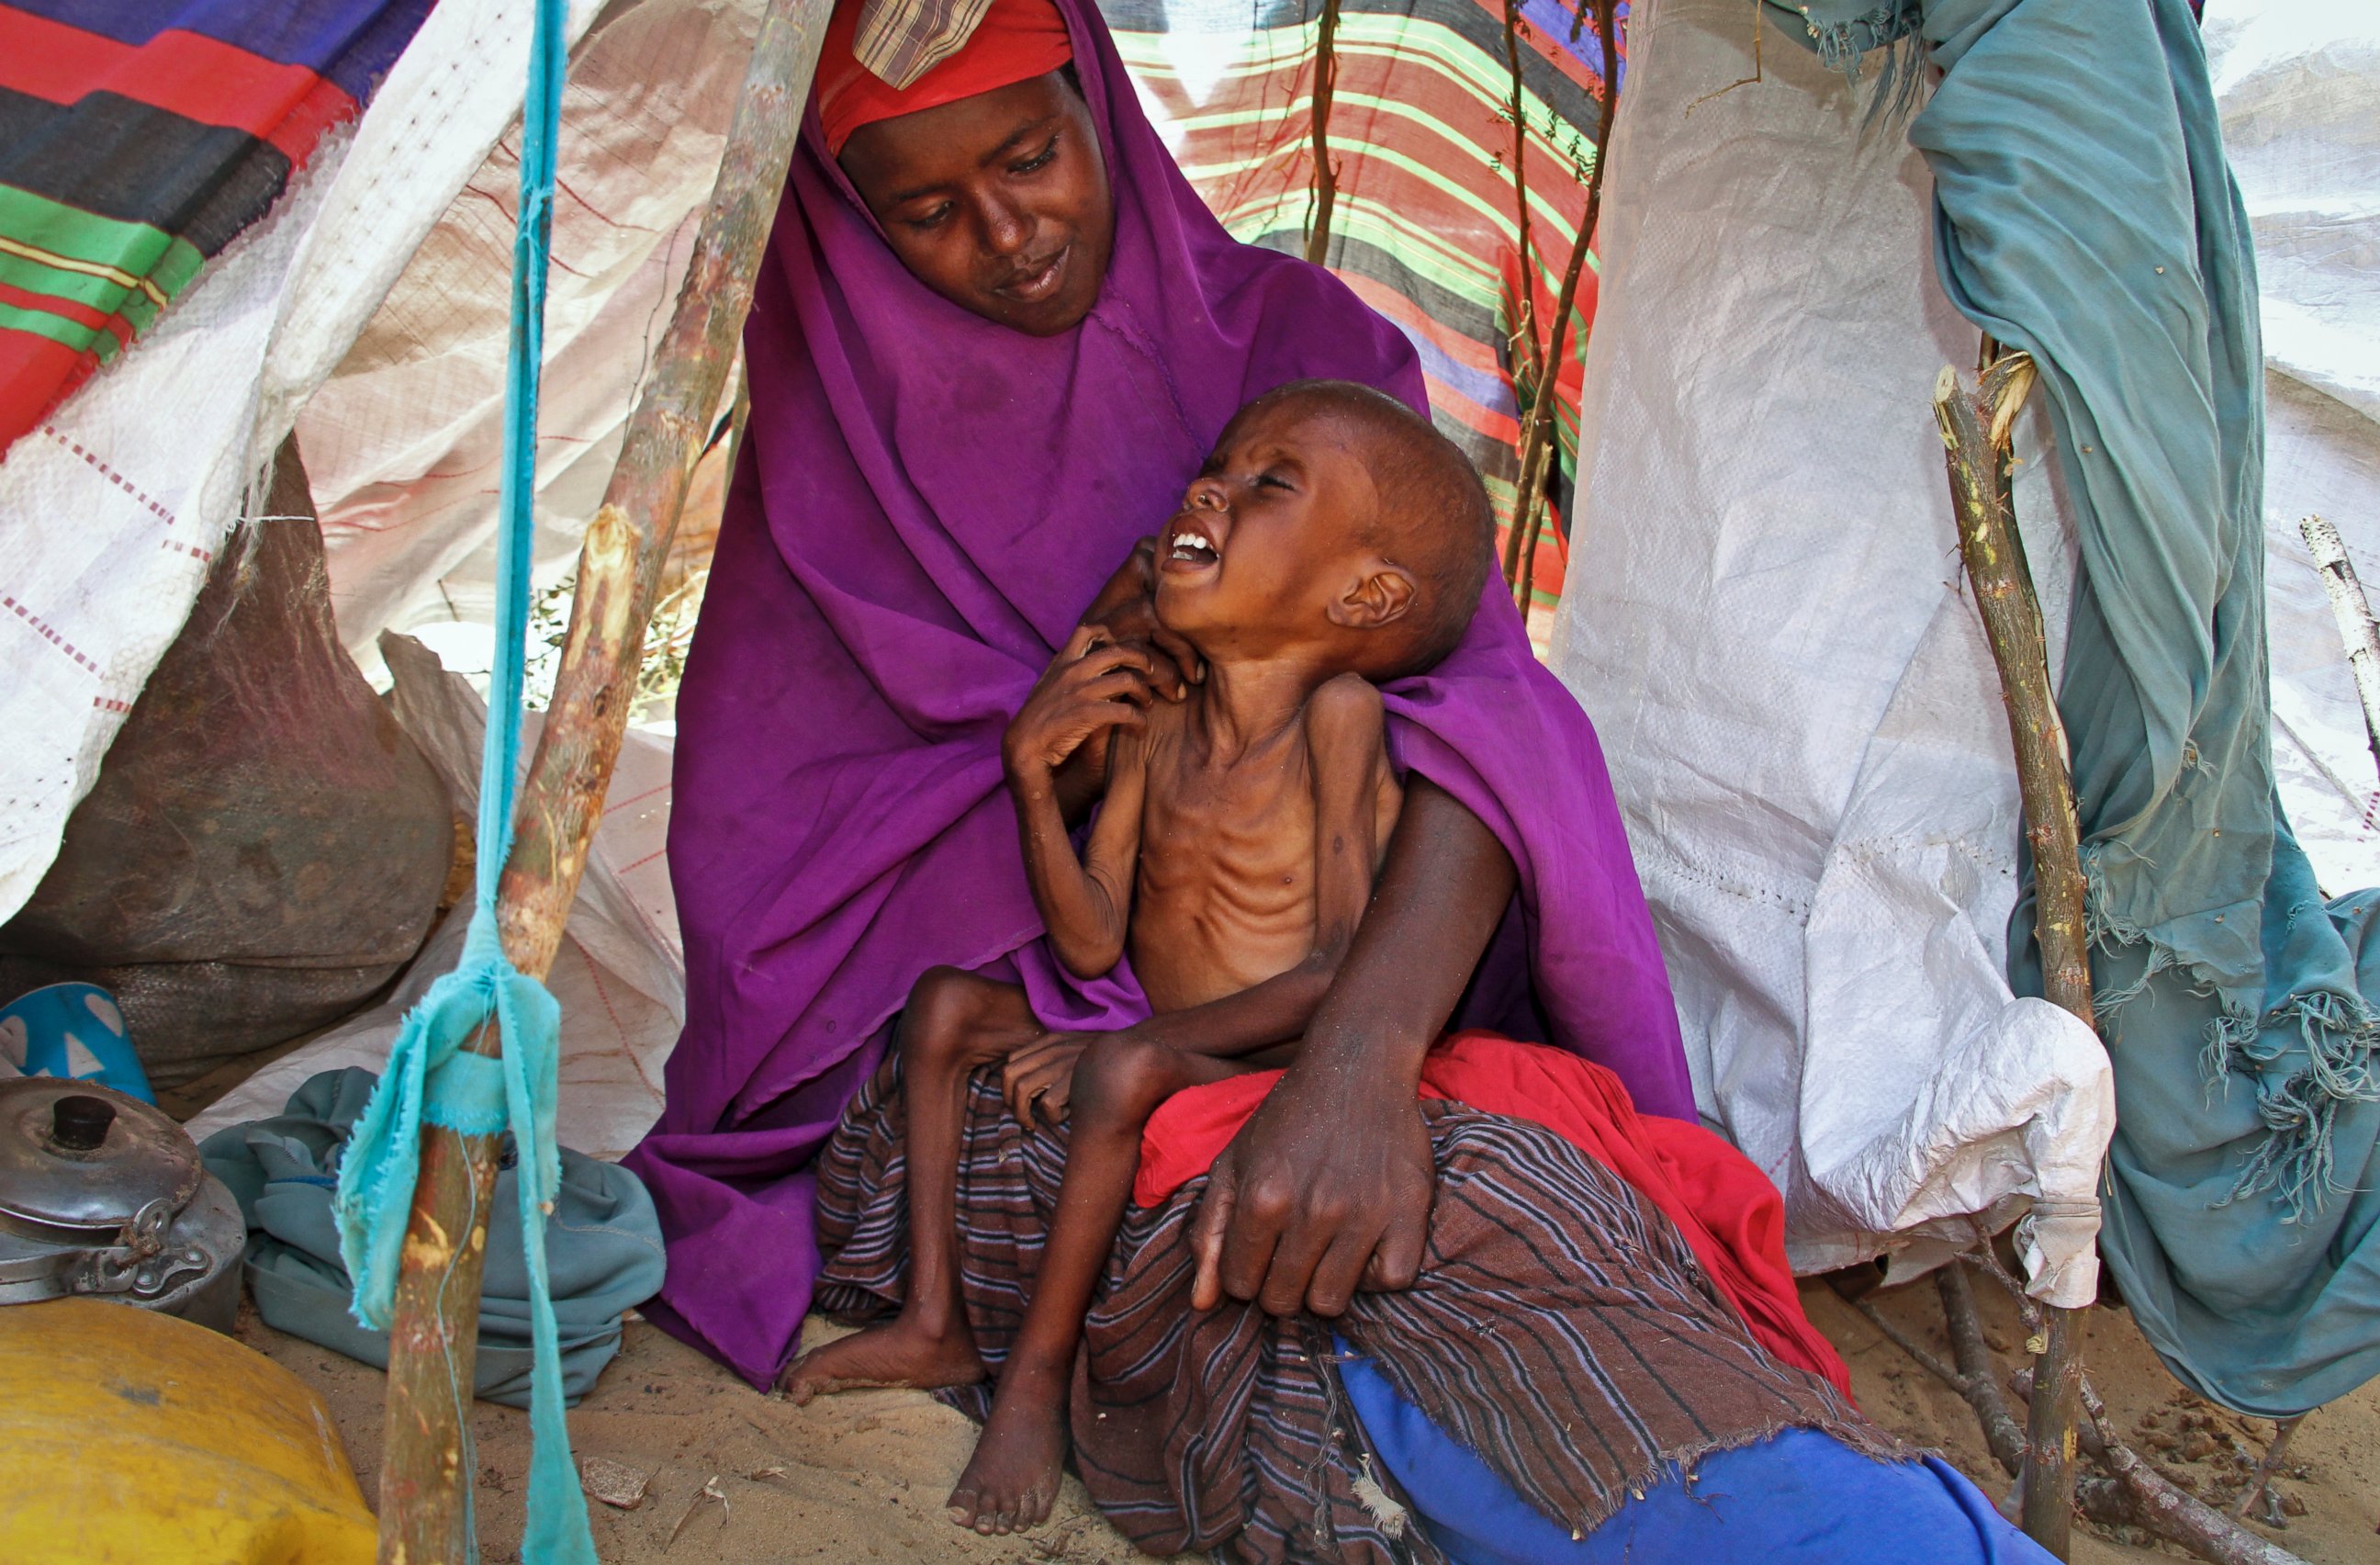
1425 223
1561 1329
136 141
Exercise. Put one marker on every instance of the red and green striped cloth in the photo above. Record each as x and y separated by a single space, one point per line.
1424 225
137 139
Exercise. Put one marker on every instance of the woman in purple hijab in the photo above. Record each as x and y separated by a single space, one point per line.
945 463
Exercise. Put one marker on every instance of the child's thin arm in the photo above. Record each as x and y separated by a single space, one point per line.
1086 902
1347 751
1347 734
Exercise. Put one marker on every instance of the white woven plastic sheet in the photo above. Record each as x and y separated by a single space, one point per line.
110 512
372 307
1765 620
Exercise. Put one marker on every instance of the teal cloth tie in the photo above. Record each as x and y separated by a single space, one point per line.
432 1077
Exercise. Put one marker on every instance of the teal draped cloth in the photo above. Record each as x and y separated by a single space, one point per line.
2085 213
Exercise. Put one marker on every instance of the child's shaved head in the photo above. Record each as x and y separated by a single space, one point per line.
1433 517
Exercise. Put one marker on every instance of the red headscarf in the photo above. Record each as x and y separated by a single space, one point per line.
1016 41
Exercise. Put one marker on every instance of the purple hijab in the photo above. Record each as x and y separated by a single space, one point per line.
925 504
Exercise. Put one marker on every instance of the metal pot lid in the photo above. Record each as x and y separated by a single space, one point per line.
78 1155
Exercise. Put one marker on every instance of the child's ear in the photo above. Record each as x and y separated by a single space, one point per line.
1380 596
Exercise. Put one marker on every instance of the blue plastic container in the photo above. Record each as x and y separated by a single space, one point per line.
73 1032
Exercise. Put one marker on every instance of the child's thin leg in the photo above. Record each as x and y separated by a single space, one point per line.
955 1021
1013 1479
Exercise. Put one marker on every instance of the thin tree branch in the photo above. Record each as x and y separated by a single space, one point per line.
1975 431
2136 1494
1538 427
1325 173
2261 1481
1524 325
1978 1371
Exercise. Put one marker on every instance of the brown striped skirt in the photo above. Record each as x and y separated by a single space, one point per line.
1561 1329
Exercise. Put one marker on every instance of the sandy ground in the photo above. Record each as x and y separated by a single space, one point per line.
861 1477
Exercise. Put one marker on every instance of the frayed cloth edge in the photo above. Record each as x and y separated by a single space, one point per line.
2296 1160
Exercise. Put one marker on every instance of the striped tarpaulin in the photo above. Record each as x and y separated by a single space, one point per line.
1425 223
136 141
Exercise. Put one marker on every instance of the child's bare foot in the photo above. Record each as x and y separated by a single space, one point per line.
1012 1481
903 1352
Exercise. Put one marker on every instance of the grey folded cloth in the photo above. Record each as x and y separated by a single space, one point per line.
602 1244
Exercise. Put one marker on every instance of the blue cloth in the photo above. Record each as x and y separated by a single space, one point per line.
1797 1498
603 1245
2084 211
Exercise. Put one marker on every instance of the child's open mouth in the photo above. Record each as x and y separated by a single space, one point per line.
1192 549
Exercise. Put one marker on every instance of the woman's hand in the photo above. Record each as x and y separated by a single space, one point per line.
1093 685
1126 610
1042 1072
1328 1187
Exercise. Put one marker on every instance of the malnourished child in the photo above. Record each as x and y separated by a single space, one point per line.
1334 539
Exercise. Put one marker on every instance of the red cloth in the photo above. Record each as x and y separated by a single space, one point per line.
1016 41
1731 1216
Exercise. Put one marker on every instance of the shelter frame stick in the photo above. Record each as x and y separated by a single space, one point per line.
2353 612
1975 431
1326 174
1537 440
425 1479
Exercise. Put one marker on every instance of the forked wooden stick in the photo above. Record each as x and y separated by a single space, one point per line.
1975 431
423 1517
1325 173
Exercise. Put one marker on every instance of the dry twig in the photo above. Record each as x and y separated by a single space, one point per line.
2260 1481
1525 323
1325 173
1979 1379
2135 1495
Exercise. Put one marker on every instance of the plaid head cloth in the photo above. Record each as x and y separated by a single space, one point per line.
902 40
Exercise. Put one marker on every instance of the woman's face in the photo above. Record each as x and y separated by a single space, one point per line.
999 202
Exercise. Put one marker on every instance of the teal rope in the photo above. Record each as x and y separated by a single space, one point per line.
432 1077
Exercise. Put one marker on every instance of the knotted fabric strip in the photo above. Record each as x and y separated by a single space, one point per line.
432 1075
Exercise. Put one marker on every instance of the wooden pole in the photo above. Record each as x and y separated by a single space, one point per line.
1326 176
2353 612
1975 431
424 1480
1538 426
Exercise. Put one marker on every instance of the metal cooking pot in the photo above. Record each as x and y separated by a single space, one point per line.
102 1194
